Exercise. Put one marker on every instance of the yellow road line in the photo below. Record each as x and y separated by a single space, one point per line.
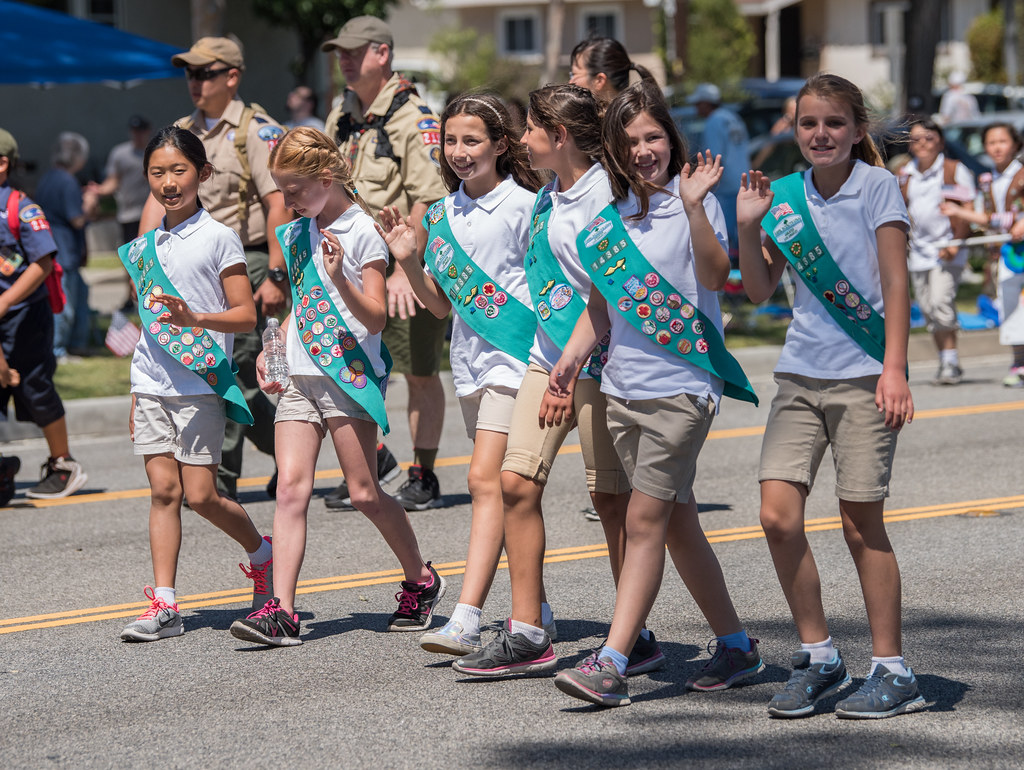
556 555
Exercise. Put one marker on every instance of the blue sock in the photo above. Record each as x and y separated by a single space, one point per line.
615 657
739 641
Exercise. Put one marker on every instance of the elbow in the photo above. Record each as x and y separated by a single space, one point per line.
376 324
248 321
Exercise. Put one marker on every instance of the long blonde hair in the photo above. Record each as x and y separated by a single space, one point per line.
308 153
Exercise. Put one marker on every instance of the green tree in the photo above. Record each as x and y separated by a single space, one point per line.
720 44
315 21
985 42
471 61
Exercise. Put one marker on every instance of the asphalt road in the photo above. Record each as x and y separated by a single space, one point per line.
71 575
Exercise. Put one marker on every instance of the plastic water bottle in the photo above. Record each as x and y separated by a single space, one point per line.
274 353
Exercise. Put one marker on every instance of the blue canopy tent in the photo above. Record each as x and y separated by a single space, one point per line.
43 47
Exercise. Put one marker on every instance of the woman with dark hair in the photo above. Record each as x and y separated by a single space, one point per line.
603 67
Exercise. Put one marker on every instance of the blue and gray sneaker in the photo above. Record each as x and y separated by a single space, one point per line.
809 683
597 681
452 639
883 694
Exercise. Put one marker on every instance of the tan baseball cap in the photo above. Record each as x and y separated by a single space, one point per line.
359 31
8 146
208 50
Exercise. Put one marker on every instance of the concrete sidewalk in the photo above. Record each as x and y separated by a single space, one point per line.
109 416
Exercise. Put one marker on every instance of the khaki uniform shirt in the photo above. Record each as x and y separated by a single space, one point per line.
219 193
416 141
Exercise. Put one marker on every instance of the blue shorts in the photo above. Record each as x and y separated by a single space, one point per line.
26 335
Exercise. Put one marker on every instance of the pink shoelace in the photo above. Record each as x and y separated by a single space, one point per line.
156 605
258 576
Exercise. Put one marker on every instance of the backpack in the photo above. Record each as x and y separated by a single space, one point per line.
53 280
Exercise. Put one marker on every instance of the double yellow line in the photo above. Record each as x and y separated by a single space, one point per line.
572 553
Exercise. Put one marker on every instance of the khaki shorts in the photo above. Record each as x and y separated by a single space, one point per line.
935 291
532 448
416 344
488 409
189 427
809 414
316 399
658 440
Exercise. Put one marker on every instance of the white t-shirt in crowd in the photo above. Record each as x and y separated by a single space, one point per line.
927 225
494 230
1001 183
363 245
816 346
193 255
571 212
638 367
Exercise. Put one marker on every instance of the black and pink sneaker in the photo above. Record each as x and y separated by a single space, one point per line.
416 603
268 625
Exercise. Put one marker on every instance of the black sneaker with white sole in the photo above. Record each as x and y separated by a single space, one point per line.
416 604
387 470
61 476
420 491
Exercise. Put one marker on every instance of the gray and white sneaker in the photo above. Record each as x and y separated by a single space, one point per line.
61 476
883 694
809 683
949 374
160 621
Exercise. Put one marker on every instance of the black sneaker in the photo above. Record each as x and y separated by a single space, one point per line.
809 683
268 625
728 666
645 656
416 604
420 491
9 467
61 476
387 470
509 654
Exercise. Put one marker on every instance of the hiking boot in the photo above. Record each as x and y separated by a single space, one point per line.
268 625
809 683
728 666
416 603
160 621
420 491
509 654
61 476
387 469
883 694
451 640
262 577
9 467
597 681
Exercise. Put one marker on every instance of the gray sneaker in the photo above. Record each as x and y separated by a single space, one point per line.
728 666
452 639
882 695
949 374
158 622
645 656
262 577
61 476
597 681
809 683
509 654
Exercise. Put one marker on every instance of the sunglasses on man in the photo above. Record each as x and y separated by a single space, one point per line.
203 75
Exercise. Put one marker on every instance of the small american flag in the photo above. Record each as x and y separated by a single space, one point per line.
122 335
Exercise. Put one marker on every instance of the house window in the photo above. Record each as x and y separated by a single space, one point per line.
876 21
600 21
519 33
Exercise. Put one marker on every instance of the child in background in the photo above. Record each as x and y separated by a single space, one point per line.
338 372
193 295
663 380
474 264
842 380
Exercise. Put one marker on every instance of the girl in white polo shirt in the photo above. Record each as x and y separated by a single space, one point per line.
193 295
656 260
337 376
842 380
474 264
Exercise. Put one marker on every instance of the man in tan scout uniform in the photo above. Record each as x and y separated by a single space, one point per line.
393 141
242 195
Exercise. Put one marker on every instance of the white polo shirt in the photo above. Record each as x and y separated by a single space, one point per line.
928 226
638 367
816 346
193 255
571 211
1001 183
494 230
363 246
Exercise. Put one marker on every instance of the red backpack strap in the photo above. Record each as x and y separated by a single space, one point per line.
13 218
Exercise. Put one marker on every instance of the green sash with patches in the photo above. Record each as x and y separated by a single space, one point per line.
555 302
193 348
320 328
640 293
489 310
790 226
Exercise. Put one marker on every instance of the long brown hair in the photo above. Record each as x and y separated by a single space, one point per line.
499 125
573 108
307 152
643 97
606 55
837 89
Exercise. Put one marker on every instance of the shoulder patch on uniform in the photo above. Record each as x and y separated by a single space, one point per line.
429 124
425 109
271 135
431 137
435 155
31 212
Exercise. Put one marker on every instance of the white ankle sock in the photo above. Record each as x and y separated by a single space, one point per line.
949 357
167 594
468 616
821 652
263 554
534 634
895 665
